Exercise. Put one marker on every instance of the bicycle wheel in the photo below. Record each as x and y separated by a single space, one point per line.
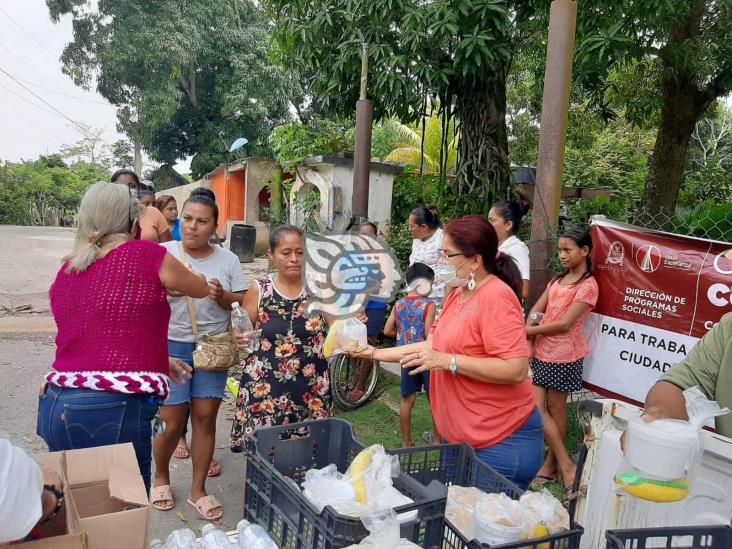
345 374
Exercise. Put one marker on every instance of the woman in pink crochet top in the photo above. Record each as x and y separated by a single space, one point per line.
109 301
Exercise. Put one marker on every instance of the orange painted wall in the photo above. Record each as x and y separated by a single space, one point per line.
229 191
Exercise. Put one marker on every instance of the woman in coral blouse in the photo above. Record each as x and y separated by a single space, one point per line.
477 355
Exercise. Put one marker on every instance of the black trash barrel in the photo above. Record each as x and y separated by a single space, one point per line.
243 239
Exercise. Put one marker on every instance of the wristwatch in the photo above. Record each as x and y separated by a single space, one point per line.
453 365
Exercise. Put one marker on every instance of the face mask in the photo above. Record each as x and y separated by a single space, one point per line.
448 275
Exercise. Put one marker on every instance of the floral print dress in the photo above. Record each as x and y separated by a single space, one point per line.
287 379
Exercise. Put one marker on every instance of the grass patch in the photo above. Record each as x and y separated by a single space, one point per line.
377 422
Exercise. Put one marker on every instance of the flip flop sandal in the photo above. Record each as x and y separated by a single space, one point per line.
570 495
205 505
541 480
181 451
160 495
214 469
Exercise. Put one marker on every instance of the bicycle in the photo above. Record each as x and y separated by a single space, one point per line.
345 375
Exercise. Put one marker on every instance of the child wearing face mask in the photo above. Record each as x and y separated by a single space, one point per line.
410 321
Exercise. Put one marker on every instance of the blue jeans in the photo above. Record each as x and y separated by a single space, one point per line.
519 457
84 418
203 384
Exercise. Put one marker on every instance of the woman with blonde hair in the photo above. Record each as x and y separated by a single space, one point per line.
109 301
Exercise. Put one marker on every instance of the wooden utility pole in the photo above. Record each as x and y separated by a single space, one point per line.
552 137
362 152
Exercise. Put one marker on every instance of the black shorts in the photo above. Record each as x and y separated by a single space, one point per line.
564 378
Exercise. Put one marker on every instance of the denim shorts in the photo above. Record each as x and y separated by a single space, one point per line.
69 419
201 385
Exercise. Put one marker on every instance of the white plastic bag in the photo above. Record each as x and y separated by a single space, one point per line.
327 487
543 509
349 334
662 456
383 526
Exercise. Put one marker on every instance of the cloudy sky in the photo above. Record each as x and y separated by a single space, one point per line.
37 101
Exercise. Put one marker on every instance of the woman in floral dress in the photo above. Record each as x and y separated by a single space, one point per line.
286 380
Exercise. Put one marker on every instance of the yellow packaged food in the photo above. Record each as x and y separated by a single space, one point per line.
658 491
355 473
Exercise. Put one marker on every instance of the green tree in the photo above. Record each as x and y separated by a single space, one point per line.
188 76
45 190
422 145
681 51
453 53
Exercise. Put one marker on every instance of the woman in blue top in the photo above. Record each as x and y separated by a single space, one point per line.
169 208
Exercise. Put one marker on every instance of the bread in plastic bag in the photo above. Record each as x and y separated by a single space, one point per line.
461 502
663 455
345 335
498 519
544 509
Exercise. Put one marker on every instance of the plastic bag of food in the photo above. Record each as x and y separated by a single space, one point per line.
545 514
498 519
383 526
327 486
461 502
345 335
371 472
662 456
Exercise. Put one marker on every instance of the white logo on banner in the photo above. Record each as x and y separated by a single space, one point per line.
615 254
648 258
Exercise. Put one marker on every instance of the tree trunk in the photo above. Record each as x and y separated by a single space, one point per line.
483 173
683 106
682 109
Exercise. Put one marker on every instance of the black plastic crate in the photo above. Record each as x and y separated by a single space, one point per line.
457 464
676 537
277 460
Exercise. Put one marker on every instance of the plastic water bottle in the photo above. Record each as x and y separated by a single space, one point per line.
213 538
185 538
253 536
241 323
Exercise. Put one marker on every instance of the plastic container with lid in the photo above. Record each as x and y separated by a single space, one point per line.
665 449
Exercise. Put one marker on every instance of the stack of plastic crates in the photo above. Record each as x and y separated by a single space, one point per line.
277 460
457 464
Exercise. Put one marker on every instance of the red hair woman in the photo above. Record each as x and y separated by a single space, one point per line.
477 355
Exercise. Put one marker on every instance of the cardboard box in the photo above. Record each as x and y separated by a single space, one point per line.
106 502
63 532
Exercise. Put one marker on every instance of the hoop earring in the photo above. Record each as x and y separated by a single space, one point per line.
471 281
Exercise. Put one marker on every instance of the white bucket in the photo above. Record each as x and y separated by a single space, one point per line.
487 531
664 448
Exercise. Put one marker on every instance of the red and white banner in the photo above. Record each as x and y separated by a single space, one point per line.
659 293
